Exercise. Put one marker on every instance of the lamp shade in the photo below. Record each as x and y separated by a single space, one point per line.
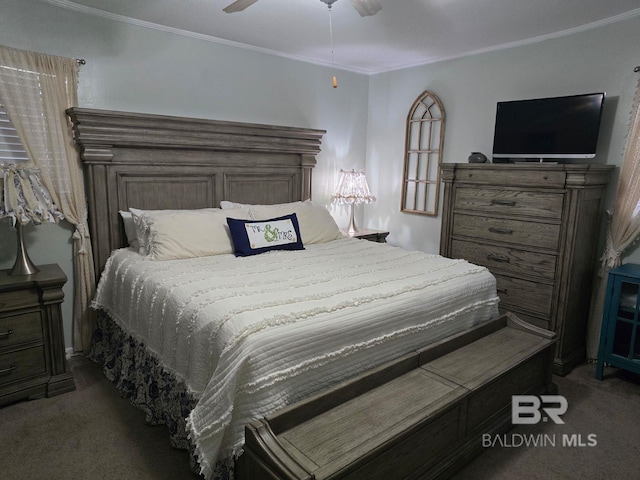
352 189
24 199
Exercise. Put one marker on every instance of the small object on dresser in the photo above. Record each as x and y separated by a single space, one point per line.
477 157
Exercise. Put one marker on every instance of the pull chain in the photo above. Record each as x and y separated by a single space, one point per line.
335 80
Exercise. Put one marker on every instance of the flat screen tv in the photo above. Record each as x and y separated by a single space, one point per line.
547 128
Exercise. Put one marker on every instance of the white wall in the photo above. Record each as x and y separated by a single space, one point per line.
601 59
132 68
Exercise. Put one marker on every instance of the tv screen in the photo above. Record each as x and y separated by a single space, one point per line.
558 127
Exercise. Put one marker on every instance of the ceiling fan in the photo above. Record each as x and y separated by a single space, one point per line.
364 7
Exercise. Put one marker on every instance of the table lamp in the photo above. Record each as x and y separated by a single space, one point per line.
352 189
24 199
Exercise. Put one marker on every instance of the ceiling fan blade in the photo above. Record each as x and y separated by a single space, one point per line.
367 7
239 5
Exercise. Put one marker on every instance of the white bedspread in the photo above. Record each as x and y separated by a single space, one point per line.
250 335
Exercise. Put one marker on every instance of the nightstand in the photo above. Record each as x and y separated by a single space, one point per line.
32 353
379 236
620 333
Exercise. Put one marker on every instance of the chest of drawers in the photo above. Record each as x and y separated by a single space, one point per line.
535 226
32 353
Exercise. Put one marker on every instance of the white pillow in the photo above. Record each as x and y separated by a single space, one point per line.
140 218
130 229
226 205
316 223
187 234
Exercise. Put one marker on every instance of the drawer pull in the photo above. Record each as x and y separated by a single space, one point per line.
7 371
504 231
6 334
498 258
504 291
507 203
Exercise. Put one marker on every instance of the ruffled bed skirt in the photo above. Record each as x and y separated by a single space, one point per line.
138 376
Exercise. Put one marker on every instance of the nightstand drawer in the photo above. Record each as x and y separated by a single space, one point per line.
20 364
506 260
18 299
17 329
490 201
542 235
532 296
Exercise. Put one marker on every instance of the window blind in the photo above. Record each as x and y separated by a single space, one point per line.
11 148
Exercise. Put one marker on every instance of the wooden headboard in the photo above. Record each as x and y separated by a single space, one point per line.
159 162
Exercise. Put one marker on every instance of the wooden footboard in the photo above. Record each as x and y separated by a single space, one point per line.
420 416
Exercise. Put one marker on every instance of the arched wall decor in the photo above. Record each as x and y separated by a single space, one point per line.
423 155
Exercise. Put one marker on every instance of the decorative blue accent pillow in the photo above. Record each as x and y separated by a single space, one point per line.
251 237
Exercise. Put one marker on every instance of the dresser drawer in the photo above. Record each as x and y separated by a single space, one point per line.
542 235
489 202
18 299
521 175
17 329
533 320
507 260
532 296
20 364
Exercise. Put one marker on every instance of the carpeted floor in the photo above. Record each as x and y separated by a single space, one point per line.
93 433
89 434
608 409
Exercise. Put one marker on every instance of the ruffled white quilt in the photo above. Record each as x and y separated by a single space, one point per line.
251 335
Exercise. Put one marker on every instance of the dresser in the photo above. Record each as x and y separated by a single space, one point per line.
32 353
535 226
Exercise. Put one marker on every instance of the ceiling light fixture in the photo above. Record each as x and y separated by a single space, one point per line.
364 7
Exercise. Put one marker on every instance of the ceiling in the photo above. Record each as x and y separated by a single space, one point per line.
404 33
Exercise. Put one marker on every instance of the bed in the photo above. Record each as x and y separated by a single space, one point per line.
207 343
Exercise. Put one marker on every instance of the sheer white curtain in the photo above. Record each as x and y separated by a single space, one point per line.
624 225
36 89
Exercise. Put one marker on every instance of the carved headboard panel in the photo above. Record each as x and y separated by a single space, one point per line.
158 162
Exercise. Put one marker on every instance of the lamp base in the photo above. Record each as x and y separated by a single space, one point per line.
351 229
23 264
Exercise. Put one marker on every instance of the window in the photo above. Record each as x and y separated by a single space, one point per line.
26 93
11 148
423 155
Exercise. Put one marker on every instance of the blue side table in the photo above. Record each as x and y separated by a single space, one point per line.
620 334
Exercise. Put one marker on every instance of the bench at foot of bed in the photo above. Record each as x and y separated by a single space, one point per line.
420 416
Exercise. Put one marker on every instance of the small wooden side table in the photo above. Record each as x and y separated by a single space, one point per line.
32 352
620 333
379 236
